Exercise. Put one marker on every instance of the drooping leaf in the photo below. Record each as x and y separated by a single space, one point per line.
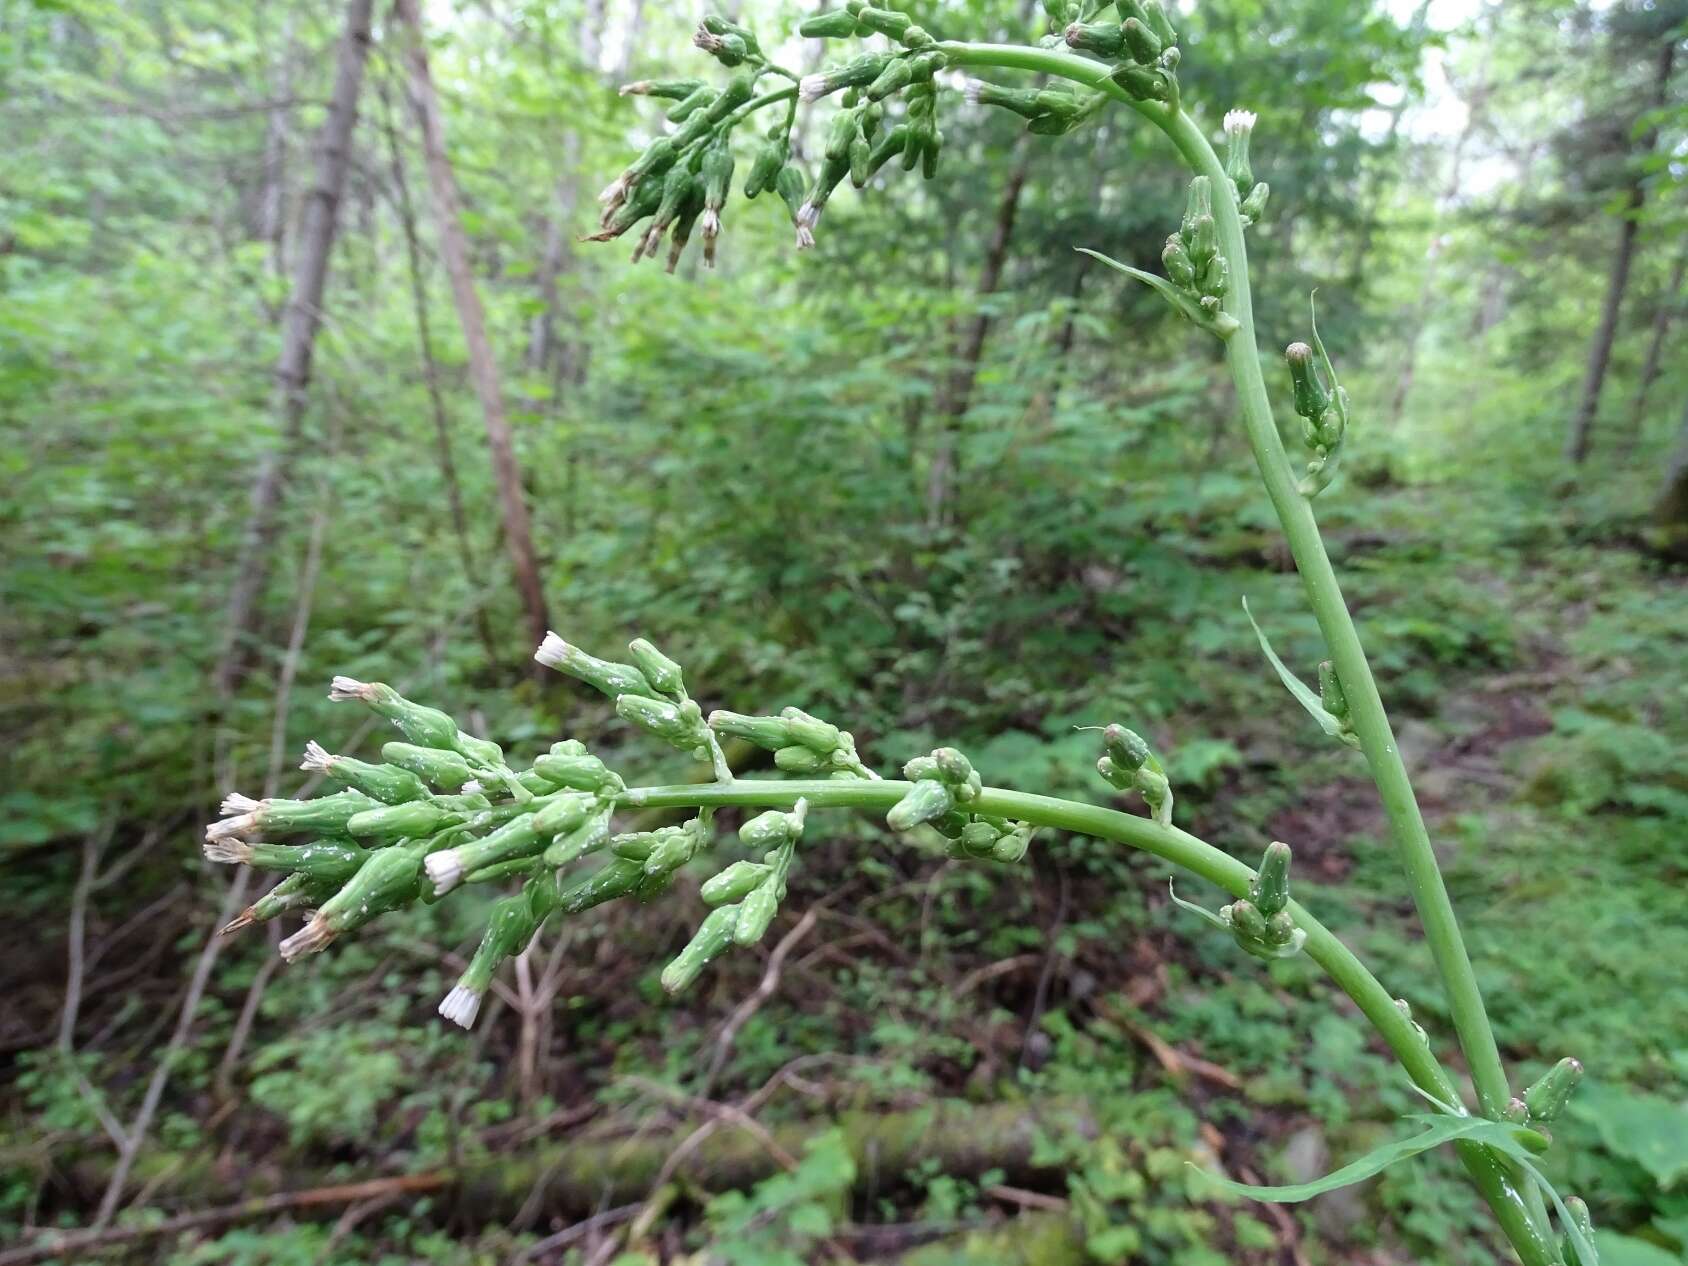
1221 324
1303 694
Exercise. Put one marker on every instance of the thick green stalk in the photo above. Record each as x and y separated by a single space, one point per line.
1524 1220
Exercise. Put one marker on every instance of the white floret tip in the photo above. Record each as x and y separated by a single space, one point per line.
1240 122
461 1006
317 758
229 852
972 88
234 802
811 88
445 869
552 652
344 688
313 938
231 827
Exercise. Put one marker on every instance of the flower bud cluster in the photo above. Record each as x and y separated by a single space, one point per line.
945 788
1048 111
801 744
1142 44
1191 256
1323 409
1130 765
1260 923
744 896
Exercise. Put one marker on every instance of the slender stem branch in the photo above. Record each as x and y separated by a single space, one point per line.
1167 842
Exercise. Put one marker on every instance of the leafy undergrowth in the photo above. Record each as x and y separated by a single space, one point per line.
1540 708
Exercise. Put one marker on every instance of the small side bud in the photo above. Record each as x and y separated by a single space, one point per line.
1547 1098
1311 398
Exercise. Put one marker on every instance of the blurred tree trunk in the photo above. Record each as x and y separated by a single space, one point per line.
1670 511
299 330
1668 302
483 371
1617 281
958 389
431 379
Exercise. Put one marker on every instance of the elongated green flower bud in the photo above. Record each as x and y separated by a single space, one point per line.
1239 125
326 861
674 88
498 872
757 911
690 104
510 926
564 813
680 724
791 186
634 846
1203 242
768 161
774 828
387 783
714 934
517 838
1269 889
1104 39
1143 44
482 750
414 820
857 73
256 817
1197 203
611 678
810 731
1578 1210
296 892
1311 398
734 883
628 212
841 129
729 49
1012 846
582 773
677 189
673 848
617 879
1022 101
445 770
839 24
1215 278
428 726
568 847
883 151
897 75
1154 15
388 880
1547 1098
925 800
1330 691
768 733
1176 260
1254 206
1126 747
884 21
801 760
1246 919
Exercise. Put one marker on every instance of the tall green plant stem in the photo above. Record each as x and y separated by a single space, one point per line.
1529 1235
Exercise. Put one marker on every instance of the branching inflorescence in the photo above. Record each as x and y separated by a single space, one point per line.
446 809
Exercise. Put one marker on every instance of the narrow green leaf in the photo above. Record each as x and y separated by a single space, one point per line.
1440 1130
1224 325
1193 908
1304 696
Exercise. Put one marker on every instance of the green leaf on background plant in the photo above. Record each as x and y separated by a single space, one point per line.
1647 1129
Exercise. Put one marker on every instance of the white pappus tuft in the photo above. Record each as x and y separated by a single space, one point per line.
553 652
808 215
317 758
812 88
234 802
472 788
229 852
461 1006
228 828
344 688
445 868
1240 122
972 88
313 938
711 223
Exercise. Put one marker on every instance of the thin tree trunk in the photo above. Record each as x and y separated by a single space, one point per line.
1656 344
431 380
1600 353
1670 511
958 391
483 371
299 330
